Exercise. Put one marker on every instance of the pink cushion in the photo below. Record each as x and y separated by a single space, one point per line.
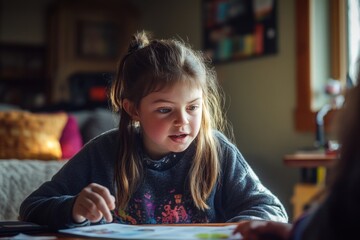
71 141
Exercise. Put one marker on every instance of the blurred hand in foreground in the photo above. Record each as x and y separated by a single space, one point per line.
264 230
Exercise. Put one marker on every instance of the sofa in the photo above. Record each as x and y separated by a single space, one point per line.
18 178
20 175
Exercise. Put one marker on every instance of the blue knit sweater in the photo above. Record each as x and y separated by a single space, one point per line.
162 197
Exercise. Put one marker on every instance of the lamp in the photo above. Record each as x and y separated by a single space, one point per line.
333 89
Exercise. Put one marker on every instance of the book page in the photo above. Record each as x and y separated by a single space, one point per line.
123 231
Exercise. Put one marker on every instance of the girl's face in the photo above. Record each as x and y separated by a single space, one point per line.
170 119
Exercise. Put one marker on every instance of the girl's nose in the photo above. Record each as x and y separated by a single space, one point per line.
181 119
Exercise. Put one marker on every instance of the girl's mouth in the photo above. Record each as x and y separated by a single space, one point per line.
178 137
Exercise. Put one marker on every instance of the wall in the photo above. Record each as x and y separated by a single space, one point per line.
23 21
260 92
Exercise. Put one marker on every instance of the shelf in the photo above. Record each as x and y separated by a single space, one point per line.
22 74
308 160
21 61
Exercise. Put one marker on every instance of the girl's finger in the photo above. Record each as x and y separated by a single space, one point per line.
89 210
105 194
99 202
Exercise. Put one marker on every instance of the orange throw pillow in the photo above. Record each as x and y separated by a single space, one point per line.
25 135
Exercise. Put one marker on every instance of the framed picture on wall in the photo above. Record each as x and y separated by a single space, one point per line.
98 39
239 29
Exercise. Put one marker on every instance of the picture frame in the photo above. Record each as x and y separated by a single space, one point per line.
86 36
239 29
98 39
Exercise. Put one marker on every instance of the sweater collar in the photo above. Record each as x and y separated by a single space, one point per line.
164 163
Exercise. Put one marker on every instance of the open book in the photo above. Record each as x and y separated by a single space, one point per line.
123 231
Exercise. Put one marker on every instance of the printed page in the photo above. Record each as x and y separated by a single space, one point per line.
123 231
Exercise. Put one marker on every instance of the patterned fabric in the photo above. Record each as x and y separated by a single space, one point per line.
18 179
162 203
25 135
163 163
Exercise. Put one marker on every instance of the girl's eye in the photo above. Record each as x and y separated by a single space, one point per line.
193 107
164 110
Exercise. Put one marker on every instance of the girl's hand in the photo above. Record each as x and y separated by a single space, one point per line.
93 203
263 230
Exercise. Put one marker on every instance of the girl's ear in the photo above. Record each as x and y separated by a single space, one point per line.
130 109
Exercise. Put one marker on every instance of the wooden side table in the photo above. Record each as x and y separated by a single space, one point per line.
305 192
308 160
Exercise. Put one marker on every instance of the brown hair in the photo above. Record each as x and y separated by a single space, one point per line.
151 65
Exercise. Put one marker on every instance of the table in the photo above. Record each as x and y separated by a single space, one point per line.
306 191
307 160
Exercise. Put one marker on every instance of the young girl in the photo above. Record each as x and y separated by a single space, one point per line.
167 162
